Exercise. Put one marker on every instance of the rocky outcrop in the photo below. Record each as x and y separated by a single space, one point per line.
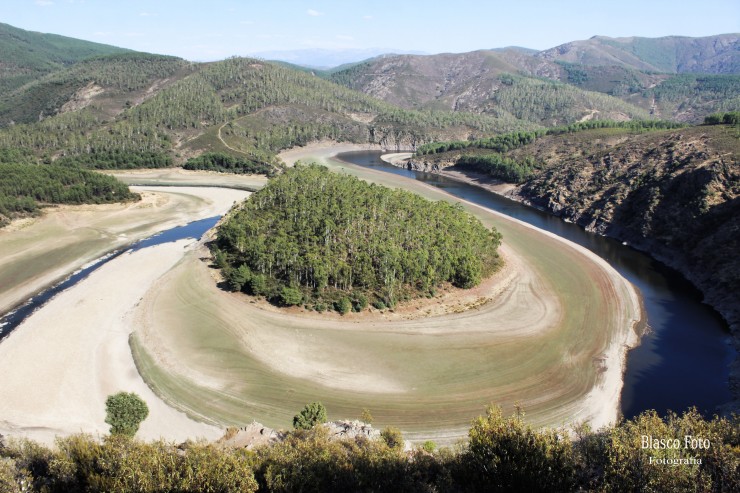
256 435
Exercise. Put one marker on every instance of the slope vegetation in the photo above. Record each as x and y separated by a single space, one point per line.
672 54
152 110
28 55
317 238
482 82
674 78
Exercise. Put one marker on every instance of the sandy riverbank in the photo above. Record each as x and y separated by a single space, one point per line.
552 339
59 366
38 252
182 177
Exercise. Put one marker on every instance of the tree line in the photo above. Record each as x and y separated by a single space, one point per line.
514 140
219 161
24 188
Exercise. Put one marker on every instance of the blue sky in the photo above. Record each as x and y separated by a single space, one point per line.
215 29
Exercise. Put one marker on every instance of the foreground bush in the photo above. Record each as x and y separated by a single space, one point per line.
503 454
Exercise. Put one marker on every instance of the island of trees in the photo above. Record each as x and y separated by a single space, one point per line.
331 241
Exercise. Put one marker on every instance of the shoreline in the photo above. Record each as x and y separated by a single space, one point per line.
38 415
79 343
611 385
44 251
729 313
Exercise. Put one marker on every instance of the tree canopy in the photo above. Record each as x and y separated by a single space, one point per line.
310 416
124 413
341 242
25 187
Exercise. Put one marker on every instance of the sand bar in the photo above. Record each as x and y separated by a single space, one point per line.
59 366
37 252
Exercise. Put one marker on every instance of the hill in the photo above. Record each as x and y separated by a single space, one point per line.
153 110
351 243
677 78
28 55
672 54
672 192
484 82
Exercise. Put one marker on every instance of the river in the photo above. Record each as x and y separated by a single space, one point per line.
682 361
13 319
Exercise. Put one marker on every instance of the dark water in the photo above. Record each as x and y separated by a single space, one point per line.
683 361
196 229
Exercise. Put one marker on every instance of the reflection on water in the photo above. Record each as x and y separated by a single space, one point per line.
682 362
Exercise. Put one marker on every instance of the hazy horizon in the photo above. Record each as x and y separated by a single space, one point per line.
224 28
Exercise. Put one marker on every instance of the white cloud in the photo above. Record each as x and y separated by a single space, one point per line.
44 3
314 13
344 37
368 17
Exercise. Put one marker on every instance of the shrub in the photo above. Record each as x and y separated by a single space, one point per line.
505 454
429 446
291 296
124 412
392 437
343 305
366 417
310 416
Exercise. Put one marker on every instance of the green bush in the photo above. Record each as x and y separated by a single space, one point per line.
392 437
311 415
291 296
124 412
343 305
506 454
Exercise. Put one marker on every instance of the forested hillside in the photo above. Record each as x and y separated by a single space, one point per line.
24 188
28 55
671 54
485 82
325 240
158 110
120 80
638 75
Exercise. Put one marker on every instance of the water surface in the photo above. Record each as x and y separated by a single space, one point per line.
684 359
13 319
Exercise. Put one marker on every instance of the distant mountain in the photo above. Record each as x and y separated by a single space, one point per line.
490 82
672 54
27 55
641 72
327 59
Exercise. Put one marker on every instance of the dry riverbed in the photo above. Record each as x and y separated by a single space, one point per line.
550 336
59 366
